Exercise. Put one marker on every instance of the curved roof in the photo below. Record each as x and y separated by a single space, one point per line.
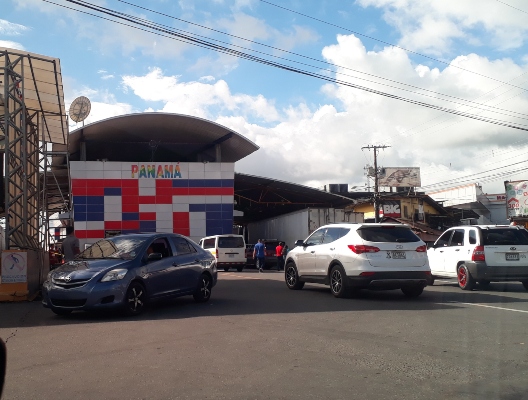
179 138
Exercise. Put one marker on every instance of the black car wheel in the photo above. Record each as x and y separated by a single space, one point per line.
61 311
292 277
465 280
338 282
135 299
412 291
203 293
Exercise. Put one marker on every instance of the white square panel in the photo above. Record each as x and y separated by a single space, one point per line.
197 233
112 200
113 216
147 183
196 175
113 208
197 216
180 199
164 224
213 175
196 199
228 199
228 167
94 225
112 174
227 175
94 174
79 225
79 174
161 216
77 166
147 208
196 167
180 207
164 208
112 166
213 199
94 165
147 191
212 166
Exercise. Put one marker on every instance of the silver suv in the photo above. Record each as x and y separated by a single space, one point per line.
481 254
349 257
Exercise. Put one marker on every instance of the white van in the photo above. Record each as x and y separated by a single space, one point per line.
229 250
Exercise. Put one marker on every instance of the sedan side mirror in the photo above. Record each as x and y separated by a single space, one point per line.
3 364
154 256
299 242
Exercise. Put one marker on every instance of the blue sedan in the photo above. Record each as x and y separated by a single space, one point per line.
127 271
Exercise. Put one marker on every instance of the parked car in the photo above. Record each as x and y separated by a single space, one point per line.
127 271
481 254
229 250
350 257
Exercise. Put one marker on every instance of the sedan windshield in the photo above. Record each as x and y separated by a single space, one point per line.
118 247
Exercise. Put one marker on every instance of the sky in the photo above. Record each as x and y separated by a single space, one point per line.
382 72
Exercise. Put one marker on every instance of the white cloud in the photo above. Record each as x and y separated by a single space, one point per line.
11 29
432 26
11 45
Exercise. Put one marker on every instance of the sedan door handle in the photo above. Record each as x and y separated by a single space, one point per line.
332 248
457 249
175 264
313 251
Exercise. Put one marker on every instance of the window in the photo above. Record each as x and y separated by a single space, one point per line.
315 238
209 243
230 242
444 239
182 246
332 234
160 246
472 236
387 233
505 237
458 238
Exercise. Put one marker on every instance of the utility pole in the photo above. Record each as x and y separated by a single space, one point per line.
376 175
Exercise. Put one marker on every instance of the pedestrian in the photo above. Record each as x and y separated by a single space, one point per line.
259 255
70 245
285 250
280 256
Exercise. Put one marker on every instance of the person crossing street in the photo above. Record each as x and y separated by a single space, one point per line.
259 255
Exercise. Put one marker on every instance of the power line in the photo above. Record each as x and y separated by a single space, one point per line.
205 44
490 108
387 43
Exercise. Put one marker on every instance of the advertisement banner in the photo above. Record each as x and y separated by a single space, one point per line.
517 198
390 208
14 266
400 177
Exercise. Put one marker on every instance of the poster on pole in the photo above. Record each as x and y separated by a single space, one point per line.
14 266
516 198
400 177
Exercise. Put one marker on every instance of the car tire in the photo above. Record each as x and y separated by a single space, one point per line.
464 278
226 269
203 293
525 284
412 291
484 283
240 269
135 299
61 311
291 276
338 282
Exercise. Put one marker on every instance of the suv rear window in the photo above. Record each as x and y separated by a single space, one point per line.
230 242
387 234
507 237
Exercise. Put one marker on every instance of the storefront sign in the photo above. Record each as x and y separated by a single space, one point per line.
517 198
156 171
14 266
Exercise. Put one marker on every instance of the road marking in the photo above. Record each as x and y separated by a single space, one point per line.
486 306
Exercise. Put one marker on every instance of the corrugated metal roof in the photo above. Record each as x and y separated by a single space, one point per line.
42 90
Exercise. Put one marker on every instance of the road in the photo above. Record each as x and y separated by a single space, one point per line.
258 340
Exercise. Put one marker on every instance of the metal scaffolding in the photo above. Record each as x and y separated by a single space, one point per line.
32 114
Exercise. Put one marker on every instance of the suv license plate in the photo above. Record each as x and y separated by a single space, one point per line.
512 256
399 255
231 255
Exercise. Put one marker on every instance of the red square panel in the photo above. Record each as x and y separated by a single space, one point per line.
180 216
129 183
180 224
180 191
197 191
95 234
80 234
130 224
147 199
100 183
163 183
164 191
112 183
76 183
130 208
147 216
112 225
79 191
130 200
130 191
163 199
95 191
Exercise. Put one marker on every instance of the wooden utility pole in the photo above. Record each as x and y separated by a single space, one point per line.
376 175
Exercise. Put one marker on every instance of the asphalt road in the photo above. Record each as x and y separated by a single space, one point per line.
258 340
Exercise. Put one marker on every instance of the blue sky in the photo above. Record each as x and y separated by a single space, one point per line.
310 131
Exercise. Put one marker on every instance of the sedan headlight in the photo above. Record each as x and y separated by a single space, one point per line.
114 275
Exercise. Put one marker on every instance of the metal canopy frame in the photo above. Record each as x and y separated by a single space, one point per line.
32 114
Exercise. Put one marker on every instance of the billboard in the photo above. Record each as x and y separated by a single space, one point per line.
516 198
400 177
14 266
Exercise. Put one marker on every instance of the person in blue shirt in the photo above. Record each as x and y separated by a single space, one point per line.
259 255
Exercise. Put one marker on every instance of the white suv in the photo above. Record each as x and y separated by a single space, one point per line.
349 257
481 253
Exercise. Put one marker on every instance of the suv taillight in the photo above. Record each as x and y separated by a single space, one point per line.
478 254
421 249
360 249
